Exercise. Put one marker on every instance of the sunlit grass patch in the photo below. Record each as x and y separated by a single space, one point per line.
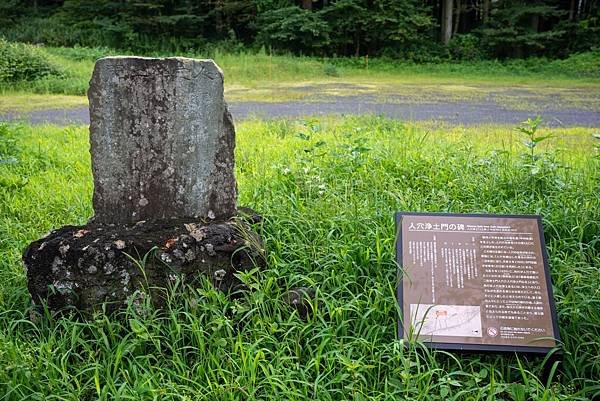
328 188
23 102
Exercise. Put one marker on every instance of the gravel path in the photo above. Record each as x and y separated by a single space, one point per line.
461 112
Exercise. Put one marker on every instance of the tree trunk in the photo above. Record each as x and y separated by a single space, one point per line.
457 19
219 18
446 21
486 10
535 22
572 10
307 4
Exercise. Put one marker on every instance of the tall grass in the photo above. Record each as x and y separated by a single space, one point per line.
261 69
328 189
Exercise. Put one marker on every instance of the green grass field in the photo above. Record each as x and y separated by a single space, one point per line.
328 189
571 83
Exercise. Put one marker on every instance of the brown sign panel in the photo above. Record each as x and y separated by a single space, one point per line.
475 282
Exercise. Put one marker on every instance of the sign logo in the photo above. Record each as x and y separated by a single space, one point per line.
492 331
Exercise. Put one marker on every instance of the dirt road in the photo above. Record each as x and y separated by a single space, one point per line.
455 112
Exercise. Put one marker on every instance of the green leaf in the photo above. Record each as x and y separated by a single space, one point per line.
139 329
360 149
541 138
530 144
517 391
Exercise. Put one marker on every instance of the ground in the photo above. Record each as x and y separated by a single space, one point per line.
328 188
449 103
564 92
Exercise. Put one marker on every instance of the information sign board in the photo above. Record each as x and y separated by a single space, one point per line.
475 282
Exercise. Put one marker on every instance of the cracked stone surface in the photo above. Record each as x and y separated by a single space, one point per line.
162 140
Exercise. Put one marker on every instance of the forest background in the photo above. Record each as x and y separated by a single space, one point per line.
413 30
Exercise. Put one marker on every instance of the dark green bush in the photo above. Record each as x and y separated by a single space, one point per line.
293 28
21 62
466 47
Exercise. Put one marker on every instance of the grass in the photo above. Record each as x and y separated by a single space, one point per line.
515 98
328 189
24 102
535 83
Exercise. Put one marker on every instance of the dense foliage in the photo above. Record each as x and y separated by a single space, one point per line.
21 62
409 29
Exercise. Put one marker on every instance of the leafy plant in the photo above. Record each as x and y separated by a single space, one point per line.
293 28
532 158
331 70
597 144
8 145
466 47
584 64
21 62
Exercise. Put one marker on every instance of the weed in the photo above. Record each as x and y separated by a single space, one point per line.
540 167
331 70
328 189
530 128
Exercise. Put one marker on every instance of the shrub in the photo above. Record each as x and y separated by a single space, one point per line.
583 64
466 47
331 70
21 62
293 28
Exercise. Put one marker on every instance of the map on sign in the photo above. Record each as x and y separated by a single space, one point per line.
446 320
477 282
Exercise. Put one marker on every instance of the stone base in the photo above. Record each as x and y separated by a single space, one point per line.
91 265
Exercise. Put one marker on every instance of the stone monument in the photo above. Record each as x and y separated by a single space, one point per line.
162 140
162 148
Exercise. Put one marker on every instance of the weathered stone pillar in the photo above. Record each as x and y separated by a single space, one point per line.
162 145
162 140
